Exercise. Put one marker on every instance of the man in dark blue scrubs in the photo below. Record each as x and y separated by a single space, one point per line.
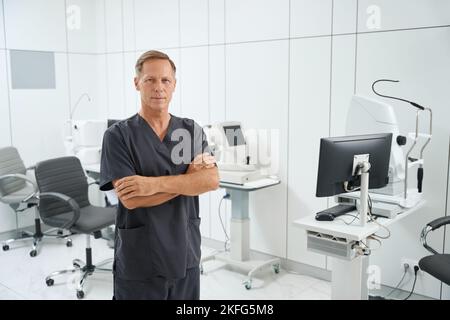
158 164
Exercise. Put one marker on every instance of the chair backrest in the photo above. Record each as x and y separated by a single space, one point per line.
63 175
10 162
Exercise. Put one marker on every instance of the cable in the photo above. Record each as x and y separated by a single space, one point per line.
226 196
405 271
416 269
418 106
351 215
371 218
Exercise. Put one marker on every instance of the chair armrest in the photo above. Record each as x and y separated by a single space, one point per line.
71 202
439 222
431 226
26 179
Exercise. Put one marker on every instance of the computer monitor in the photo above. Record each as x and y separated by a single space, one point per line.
110 122
336 162
234 135
234 148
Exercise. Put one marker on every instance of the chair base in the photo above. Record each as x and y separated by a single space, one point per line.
85 269
37 238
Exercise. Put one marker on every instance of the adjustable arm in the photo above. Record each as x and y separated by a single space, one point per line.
68 200
431 226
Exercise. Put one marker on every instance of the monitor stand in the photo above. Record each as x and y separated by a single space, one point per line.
362 161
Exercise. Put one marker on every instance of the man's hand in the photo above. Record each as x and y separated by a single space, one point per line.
201 161
136 186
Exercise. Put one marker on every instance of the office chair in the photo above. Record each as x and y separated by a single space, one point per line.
64 203
437 264
19 192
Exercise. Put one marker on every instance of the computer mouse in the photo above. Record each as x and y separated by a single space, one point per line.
324 216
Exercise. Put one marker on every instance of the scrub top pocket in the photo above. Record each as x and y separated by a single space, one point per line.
133 256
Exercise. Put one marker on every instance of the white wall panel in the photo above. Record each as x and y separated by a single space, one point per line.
156 24
115 85
310 17
81 69
193 82
342 83
129 34
38 117
308 114
216 21
5 135
193 22
217 83
114 25
2 29
131 95
35 25
84 32
344 16
402 14
419 59
250 20
257 87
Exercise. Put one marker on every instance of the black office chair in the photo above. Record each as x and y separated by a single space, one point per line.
19 192
437 264
64 203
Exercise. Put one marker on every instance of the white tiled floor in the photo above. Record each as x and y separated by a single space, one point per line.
22 277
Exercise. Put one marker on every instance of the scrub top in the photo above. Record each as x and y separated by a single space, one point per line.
162 240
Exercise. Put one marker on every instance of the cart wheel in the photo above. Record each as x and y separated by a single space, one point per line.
80 294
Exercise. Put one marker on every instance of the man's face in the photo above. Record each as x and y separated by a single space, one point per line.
156 84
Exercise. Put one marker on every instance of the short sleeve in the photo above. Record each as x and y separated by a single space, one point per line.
116 161
200 141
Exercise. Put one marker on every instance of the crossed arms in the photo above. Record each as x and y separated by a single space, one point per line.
138 191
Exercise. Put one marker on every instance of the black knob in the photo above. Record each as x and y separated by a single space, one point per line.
401 140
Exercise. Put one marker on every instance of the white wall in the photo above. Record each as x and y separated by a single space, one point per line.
290 65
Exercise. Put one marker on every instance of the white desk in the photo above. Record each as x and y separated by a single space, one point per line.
349 276
94 168
239 253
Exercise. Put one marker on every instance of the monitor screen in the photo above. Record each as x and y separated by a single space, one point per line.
336 162
111 122
234 135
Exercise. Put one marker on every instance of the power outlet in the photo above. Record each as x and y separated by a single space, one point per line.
411 263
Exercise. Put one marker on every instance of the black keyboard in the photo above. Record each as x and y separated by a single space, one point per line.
338 210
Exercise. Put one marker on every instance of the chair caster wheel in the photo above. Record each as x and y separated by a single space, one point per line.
80 294
49 282
68 244
5 247
201 269
248 285
33 253
276 268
